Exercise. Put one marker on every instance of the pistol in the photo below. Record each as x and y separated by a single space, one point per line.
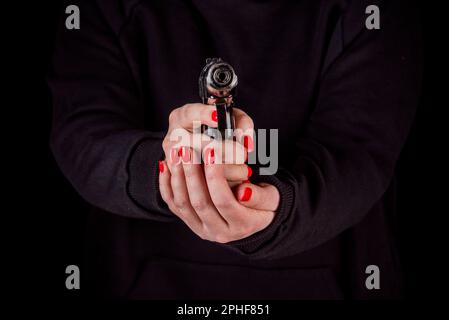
217 84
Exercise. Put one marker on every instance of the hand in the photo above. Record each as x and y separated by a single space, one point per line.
209 207
183 143
204 200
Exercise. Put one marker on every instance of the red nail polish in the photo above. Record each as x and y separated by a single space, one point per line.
248 143
246 194
209 156
180 151
246 181
161 166
214 116
184 153
250 171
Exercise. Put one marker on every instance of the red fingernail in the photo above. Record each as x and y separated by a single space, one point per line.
184 153
214 116
209 156
248 143
174 156
246 194
161 166
250 171
246 181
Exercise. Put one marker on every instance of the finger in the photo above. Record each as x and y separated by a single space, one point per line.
199 195
186 115
233 184
227 151
164 184
261 197
181 200
242 220
242 120
244 129
237 172
171 145
220 192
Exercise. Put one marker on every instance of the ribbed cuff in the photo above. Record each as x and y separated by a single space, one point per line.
143 186
254 245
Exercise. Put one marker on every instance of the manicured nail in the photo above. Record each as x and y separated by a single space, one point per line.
214 116
209 156
246 194
174 156
246 181
248 143
161 166
184 153
250 171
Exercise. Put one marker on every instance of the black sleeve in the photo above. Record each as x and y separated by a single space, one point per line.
98 136
345 160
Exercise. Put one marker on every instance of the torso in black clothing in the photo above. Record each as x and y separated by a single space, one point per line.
280 51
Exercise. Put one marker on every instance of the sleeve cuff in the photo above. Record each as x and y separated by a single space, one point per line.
143 184
257 245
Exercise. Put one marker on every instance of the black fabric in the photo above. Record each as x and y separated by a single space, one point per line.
343 98
143 176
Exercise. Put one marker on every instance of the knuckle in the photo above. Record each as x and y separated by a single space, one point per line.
202 235
245 121
205 233
181 203
173 116
199 205
222 238
184 111
166 145
248 122
223 204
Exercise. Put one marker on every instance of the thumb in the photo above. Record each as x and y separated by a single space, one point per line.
262 197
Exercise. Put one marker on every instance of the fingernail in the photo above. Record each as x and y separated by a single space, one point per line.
250 171
209 156
214 116
174 156
246 181
161 166
246 194
184 153
248 143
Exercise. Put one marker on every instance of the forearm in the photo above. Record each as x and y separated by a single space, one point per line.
343 162
98 121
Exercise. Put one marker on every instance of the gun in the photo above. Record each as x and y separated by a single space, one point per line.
217 84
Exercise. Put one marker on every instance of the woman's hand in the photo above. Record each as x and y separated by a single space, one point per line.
209 207
184 141
201 195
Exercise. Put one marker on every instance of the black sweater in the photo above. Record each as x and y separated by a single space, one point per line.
343 98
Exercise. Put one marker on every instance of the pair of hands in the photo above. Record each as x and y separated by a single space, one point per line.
214 198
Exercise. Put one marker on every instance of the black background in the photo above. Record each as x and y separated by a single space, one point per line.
49 231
